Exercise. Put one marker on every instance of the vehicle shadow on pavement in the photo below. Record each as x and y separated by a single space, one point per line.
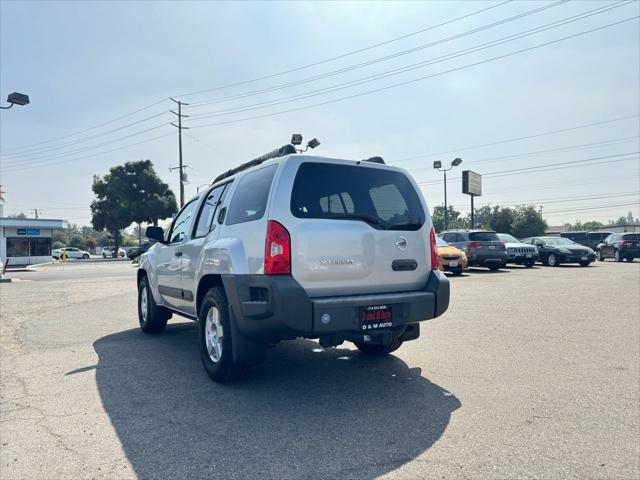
305 412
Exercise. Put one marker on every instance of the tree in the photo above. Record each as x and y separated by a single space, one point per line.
20 216
156 200
527 222
129 193
502 219
455 219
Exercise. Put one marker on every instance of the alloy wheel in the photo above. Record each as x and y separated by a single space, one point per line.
213 334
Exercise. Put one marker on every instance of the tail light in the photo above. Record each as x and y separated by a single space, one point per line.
277 250
434 249
473 245
627 244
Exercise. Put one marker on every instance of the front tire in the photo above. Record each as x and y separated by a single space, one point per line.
600 256
85 257
529 264
153 318
214 338
617 257
585 264
494 268
378 350
552 260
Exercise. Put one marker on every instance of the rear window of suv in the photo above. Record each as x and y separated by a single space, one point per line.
384 199
484 237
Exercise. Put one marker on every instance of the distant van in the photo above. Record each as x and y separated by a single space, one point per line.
588 239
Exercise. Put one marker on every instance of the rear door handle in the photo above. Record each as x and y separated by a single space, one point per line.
404 265
178 254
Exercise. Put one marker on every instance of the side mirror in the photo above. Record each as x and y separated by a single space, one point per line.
155 233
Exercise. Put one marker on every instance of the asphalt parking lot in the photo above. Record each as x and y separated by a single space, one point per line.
531 373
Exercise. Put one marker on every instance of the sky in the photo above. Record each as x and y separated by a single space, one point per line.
412 82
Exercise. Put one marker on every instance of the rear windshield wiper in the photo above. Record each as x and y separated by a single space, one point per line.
370 219
413 225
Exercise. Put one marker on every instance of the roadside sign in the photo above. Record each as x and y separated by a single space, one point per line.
29 231
471 183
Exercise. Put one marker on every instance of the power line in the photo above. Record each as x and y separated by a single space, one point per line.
41 150
516 156
40 160
548 166
517 139
18 168
373 61
415 79
562 200
87 129
407 68
337 57
599 207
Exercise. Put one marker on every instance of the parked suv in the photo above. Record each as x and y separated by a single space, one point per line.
620 246
289 246
483 248
518 252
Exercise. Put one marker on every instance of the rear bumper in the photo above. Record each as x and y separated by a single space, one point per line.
520 258
576 258
276 307
486 259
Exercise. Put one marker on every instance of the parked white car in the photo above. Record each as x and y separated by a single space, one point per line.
72 252
107 252
289 246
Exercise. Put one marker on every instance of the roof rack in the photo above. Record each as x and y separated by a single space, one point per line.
375 160
278 152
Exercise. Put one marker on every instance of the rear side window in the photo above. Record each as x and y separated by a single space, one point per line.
633 237
385 199
249 201
484 237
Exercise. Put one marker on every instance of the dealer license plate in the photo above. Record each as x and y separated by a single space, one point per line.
492 247
585 258
453 264
375 317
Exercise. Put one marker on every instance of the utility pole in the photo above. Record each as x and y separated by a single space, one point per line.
36 212
180 166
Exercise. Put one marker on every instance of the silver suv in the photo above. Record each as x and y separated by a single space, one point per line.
289 246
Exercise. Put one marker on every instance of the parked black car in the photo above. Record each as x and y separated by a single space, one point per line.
620 246
483 248
556 250
586 238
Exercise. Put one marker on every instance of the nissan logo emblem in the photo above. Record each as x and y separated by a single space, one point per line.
401 243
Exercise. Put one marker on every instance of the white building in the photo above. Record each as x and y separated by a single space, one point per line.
27 241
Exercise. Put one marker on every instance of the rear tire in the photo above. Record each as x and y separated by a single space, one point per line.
375 349
153 318
214 338
585 264
552 260
494 268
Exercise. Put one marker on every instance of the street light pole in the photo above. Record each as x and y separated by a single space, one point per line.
446 209
438 166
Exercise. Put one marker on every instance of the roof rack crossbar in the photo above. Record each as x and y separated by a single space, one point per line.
278 152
